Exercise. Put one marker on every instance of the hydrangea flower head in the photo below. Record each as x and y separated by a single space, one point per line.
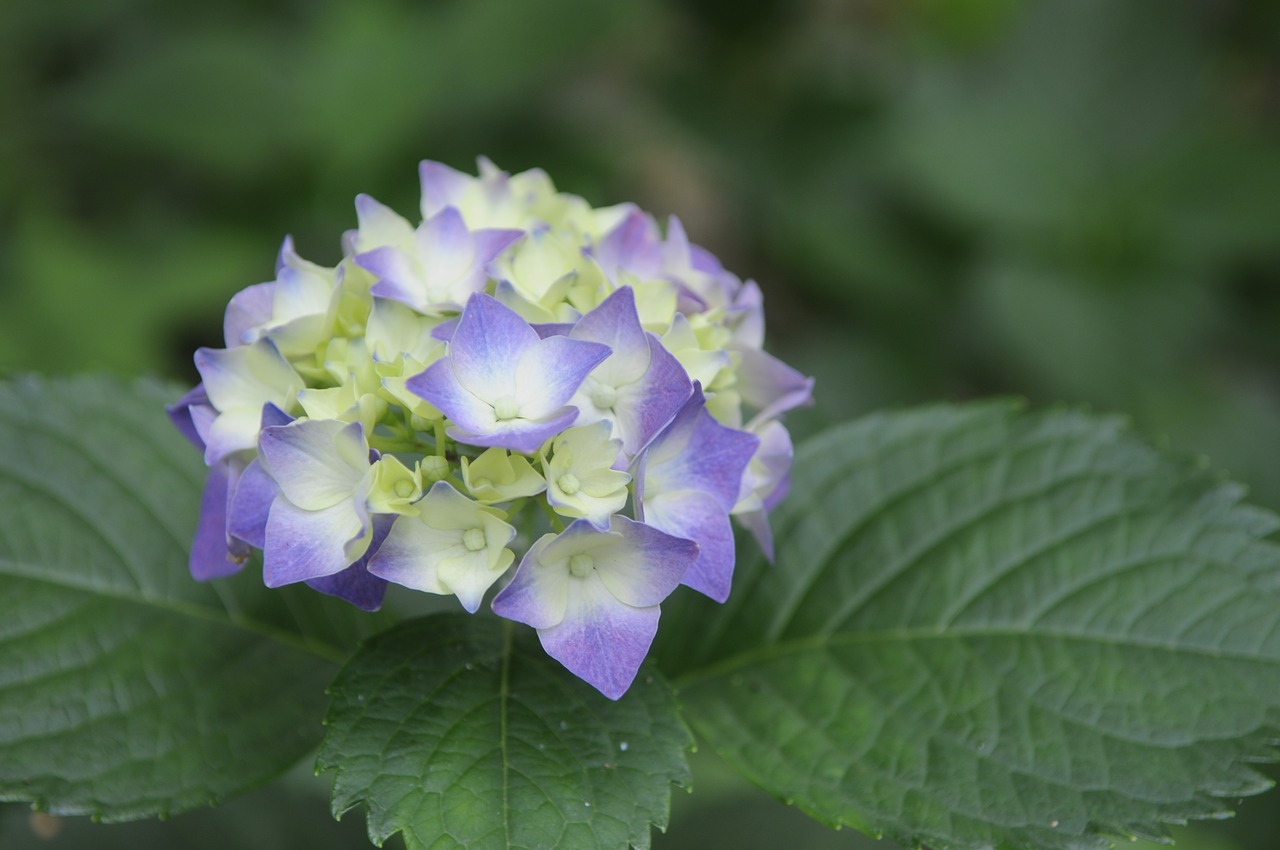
517 366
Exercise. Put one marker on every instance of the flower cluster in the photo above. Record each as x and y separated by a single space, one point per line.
518 375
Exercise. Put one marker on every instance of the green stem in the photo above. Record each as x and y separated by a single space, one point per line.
441 440
554 518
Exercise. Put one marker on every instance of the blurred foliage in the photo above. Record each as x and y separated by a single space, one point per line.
1068 200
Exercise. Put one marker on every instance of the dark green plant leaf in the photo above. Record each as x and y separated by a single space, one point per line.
458 733
126 688
988 628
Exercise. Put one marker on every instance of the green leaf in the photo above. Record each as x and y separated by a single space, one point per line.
990 628
458 733
126 688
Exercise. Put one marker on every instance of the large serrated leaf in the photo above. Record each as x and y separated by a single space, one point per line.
458 733
990 628
126 688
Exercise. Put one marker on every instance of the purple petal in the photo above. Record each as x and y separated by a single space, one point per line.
757 522
490 338
273 416
249 308
316 462
616 324
445 330
770 386
535 596
746 317
645 566
695 452
225 434
698 517
246 376
442 186
632 247
639 566
180 414
251 505
775 453
398 278
378 225
356 584
302 545
549 329
644 408
455 259
439 385
547 378
492 241
601 640
210 556
518 435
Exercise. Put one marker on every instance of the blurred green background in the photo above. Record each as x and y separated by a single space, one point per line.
1070 200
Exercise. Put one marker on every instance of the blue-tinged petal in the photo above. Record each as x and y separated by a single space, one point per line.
695 452
249 309
247 376
643 564
547 329
273 416
251 505
442 186
616 324
489 340
399 277
697 516
317 463
228 433
632 246
757 523
303 288
746 317
765 483
447 249
302 545
356 584
453 545
445 330
645 407
546 380
518 435
770 386
439 385
379 225
441 266
601 640
180 414
210 556
536 596
409 557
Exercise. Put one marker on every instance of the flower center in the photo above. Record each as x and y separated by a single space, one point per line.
505 408
568 483
604 396
580 565
473 539
404 489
